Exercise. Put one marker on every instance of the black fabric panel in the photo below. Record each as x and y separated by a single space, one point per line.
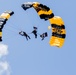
44 7
0 38
58 35
2 24
37 9
57 26
46 17
0 30
12 13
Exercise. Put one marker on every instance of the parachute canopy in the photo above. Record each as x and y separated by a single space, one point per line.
3 18
58 31
43 11
57 24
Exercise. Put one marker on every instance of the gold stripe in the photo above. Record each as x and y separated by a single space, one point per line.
45 12
55 41
56 20
5 15
0 34
36 4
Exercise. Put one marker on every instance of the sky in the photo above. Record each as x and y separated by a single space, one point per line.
37 57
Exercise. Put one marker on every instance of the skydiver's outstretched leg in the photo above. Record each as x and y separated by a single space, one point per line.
28 37
24 34
35 35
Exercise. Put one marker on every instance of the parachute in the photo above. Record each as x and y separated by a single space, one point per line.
58 31
3 19
57 24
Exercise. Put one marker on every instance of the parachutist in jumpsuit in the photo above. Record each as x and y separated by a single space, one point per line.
35 31
43 35
24 34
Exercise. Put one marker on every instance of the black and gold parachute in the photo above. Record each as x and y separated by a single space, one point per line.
57 24
3 19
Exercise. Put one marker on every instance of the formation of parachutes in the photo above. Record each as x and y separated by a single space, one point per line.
57 24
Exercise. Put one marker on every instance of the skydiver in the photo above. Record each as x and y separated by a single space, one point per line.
43 35
35 31
24 34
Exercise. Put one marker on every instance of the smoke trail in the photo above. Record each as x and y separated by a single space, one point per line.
4 66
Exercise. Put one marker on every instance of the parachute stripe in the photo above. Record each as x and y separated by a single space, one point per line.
58 35
55 41
42 16
44 7
57 26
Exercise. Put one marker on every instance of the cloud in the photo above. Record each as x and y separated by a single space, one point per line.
4 68
3 50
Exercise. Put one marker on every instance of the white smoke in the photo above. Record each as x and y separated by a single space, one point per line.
3 50
4 66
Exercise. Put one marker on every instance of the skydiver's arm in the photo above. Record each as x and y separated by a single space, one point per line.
21 33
